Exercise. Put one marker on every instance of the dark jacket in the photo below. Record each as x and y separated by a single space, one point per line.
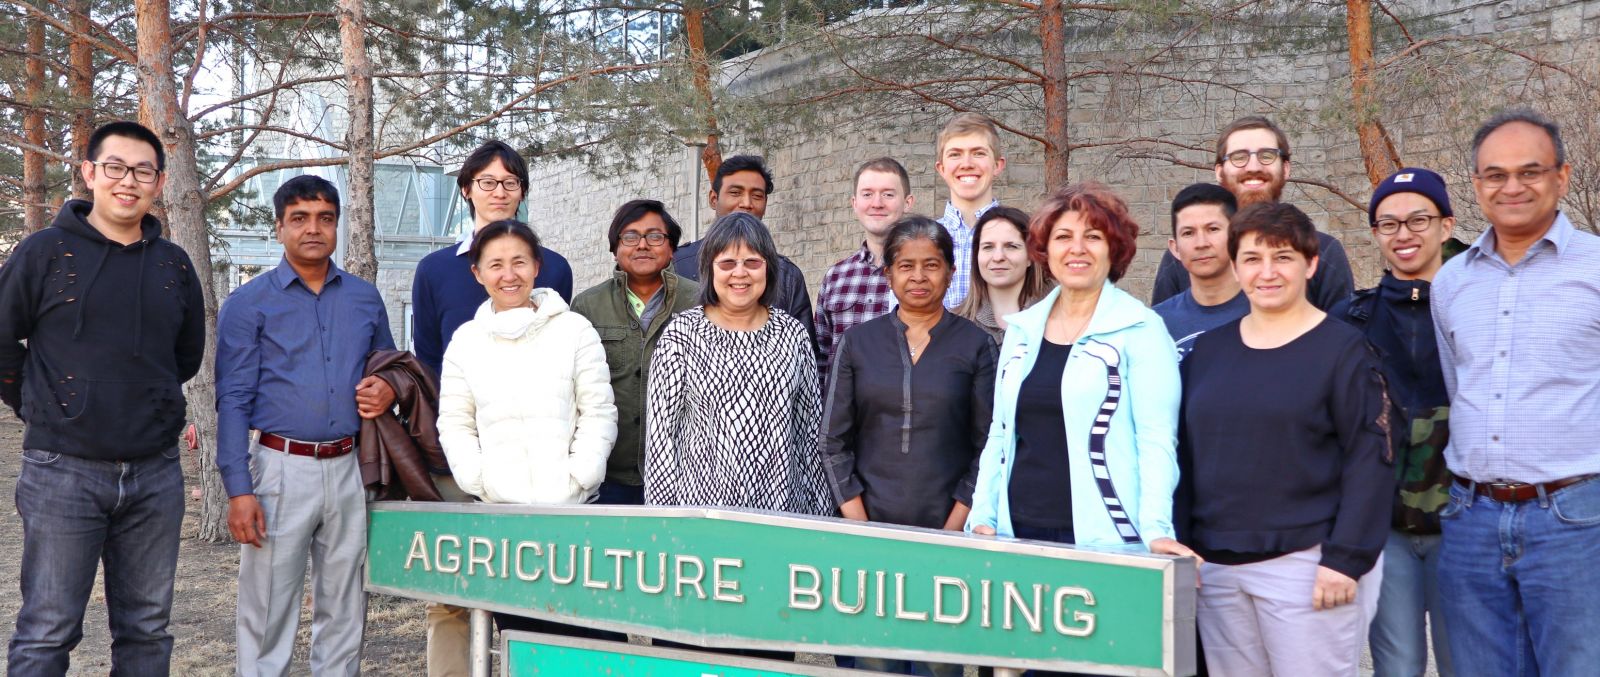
628 349
112 333
406 445
1397 321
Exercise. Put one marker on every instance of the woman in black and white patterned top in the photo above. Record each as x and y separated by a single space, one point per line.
733 400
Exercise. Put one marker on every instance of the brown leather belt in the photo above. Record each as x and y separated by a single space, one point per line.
1516 492
332 449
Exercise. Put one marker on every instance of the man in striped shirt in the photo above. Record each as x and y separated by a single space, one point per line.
855 289
1514 315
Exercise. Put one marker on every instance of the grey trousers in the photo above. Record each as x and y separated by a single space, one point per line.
1256 620
316 507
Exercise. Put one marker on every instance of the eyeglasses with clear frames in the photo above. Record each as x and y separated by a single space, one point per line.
117 170
747 264
511 185
632 238
1267 156
1527 176
1416 224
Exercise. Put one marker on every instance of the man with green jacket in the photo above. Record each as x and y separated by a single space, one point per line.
630 310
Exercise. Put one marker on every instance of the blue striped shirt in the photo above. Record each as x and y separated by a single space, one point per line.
961 232
1516 345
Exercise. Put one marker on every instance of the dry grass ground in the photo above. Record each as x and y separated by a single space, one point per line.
205 596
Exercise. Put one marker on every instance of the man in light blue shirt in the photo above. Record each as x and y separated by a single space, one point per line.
1512 315
969 162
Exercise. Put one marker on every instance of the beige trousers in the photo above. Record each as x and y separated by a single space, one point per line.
449 630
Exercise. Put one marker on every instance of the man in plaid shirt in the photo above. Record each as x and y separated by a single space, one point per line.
855 289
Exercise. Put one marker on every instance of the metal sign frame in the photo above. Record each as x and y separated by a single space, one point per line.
1179 576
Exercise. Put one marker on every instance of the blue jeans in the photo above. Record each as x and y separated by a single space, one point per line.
77 513
1522 596
1409 600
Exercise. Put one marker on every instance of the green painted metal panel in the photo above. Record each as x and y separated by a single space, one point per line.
727 578
532 655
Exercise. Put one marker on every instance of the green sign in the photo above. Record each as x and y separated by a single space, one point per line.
775 581
526 654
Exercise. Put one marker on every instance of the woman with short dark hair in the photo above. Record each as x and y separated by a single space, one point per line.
908 403
1286 486
733 398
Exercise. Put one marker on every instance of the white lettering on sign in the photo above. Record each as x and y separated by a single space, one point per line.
679 579
725 589
419 550
474 559
1070 609
1085 618
861 593
939 614
1030 615
538 553
588 570
900 611
572 565
618 555
812 593
661 573
455 555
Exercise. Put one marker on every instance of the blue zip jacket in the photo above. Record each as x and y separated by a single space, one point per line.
1120 394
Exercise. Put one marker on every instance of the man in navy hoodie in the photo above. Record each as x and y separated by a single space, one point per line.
114 323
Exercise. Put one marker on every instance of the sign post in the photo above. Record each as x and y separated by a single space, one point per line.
743 579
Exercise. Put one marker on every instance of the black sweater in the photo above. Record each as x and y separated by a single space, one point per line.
1284 449
112 333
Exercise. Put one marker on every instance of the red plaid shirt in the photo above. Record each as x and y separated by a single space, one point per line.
853 291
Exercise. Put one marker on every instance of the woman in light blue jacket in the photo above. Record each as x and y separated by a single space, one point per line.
1086 395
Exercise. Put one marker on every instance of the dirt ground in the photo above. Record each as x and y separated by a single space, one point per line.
204 598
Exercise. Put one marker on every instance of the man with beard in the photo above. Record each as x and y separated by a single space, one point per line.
1253 163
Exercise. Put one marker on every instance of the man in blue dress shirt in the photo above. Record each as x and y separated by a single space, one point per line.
291 348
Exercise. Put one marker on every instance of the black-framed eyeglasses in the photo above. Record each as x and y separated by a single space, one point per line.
1266 156
511 185
1526 176
1416 224
117 170
747 264
632 238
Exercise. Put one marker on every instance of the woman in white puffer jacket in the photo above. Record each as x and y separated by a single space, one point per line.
525 405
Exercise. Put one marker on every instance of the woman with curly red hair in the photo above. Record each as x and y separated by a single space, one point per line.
1082 446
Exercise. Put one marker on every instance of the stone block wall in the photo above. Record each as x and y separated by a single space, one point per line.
1307 92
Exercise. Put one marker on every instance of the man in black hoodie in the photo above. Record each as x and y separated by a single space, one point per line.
114 323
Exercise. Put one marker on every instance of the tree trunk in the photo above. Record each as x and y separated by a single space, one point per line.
81 85
694 32
360 257
1053 39
36 213
1377 151
185 211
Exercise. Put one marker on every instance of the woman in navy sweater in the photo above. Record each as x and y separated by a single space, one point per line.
1285 466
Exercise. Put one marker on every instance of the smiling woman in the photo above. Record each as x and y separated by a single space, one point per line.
1075 373
733 402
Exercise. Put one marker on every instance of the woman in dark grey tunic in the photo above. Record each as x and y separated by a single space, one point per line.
907 408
